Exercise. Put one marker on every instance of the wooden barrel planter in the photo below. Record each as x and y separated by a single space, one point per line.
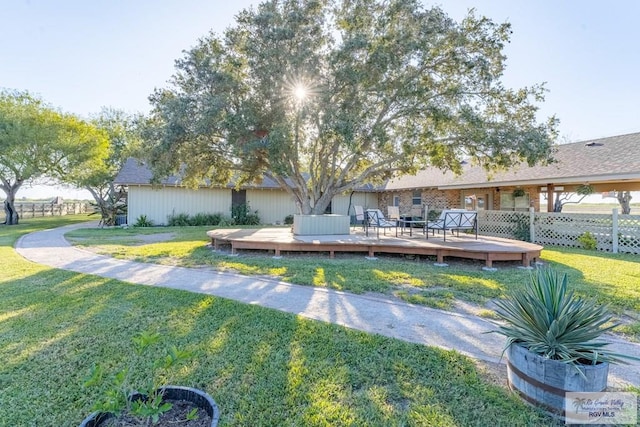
544 382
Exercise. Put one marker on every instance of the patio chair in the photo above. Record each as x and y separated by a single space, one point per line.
393 213
375 219
360 217
454 220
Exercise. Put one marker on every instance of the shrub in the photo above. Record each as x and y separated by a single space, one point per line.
143 221
180 220
521 230
205 219
225 222
588 241
242 215
288 220
183 219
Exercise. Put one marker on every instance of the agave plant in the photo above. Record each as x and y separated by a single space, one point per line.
548 320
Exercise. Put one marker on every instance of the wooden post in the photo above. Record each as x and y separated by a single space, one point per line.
614 230
550 194
532 227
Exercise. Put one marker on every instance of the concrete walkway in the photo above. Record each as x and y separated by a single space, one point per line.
379 315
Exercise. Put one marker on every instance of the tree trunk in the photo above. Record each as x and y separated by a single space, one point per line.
108 201
558 205
12 217
320 206
624 198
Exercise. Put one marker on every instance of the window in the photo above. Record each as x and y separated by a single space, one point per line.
507 202
480 205
396 200
417 198
510 203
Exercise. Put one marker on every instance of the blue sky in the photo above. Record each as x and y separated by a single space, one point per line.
82 55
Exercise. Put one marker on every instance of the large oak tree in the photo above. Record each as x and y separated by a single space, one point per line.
37 141
323 96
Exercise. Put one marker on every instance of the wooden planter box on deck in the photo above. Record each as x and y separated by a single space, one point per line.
318 225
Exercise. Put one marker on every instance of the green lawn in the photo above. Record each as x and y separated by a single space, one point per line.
610 278
263 367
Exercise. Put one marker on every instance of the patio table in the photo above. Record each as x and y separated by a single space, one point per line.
409 222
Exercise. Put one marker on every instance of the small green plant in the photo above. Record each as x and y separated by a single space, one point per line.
118 398
192 415
143 221
551 321
588 241
288 220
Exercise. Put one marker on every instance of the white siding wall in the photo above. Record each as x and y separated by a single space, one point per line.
272 205
158 204
340 203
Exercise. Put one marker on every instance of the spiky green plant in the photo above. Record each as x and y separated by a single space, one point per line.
551 321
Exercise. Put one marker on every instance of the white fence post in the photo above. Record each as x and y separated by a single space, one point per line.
614 230
532 227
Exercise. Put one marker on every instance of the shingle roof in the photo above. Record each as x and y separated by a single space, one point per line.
136 172
598 160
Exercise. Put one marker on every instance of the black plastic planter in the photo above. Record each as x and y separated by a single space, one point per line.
198 397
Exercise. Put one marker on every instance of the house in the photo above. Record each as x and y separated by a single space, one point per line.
606 164
171 198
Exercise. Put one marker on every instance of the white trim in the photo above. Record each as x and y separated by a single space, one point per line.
544 181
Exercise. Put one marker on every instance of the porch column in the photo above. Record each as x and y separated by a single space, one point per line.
550 195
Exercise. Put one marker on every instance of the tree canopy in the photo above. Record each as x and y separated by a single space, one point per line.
37 141
121 130
324 96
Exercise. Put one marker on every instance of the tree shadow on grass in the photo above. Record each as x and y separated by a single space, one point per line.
263 367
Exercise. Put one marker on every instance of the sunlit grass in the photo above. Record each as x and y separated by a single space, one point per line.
263 367
609 278
630 331
345 272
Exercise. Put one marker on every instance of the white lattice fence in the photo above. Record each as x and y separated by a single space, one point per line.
629 233
562 229
507 224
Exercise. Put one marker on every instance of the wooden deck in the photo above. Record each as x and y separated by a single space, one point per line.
279 240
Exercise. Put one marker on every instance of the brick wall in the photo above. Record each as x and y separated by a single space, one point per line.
435 199
438 199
